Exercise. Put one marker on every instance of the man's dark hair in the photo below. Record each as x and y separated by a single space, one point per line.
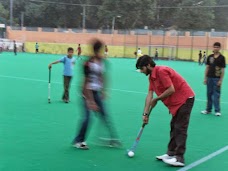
70 49
217 44
97 45
144 61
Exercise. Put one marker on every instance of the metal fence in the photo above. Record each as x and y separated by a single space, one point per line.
175 45
48 29
31 28
77 30
16 28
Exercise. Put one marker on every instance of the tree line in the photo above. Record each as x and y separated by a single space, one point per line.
99 14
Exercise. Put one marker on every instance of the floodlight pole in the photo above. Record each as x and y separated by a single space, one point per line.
83 16
11 13
22 20
113 24
163 39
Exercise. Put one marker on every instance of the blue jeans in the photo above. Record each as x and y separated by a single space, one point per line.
213 94
85 123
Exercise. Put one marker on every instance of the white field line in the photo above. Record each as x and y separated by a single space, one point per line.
113 89
204 159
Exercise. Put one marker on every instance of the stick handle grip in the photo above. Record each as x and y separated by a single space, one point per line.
144 124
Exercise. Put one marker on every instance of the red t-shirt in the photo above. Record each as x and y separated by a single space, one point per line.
163 77
79 50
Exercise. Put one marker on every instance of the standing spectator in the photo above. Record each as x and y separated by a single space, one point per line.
214 74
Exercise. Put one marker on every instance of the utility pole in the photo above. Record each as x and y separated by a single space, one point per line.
113 24
22 20
11 13
84 16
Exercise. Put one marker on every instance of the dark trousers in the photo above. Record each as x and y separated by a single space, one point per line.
178 133
156 57
79 55
213 94
15 51
66 80
199 61
103 115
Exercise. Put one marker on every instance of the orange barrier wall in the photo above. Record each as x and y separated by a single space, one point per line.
185 41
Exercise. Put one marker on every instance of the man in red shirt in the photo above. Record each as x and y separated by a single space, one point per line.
177 96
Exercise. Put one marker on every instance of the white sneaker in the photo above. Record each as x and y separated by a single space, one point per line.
81 145
165 156
218 114
173 162
205 112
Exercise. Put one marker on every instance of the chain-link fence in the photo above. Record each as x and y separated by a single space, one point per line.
180 45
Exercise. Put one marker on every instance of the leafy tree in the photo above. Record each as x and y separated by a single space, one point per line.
195 18
134 13
4 14
221 19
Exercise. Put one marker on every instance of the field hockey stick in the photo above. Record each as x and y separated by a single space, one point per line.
134 146
49 86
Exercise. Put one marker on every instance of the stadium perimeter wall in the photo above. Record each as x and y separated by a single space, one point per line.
123 45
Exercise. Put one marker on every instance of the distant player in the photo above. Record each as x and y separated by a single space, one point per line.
200 57
204 58
15 47
135 53
37 47
23 47
1 46
139 53
106 51
79 50
156 54
69 62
